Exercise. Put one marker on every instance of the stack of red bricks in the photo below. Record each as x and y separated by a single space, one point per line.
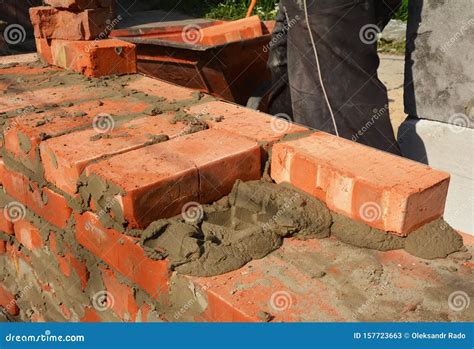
72 34
84 168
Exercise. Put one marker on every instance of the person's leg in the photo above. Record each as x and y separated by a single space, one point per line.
348 66
385 10
280 98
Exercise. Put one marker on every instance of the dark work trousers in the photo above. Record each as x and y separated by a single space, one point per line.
344 35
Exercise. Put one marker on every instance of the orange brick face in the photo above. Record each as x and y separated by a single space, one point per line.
95 58
67 262
64 158
62 120
7 301
3 246
158 88
46 203
245 122
52 23
28 235
247 28
123 254
382 190
43 47
160 179
121 296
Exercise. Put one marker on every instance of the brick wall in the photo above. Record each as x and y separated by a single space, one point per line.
81 171
88 163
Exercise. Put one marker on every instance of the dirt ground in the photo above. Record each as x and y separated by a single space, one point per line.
391 72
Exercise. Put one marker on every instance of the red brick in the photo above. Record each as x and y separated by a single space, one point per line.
51 95
95 58
78 4
8 302
245 122
32 76
66 312
221 33
159 180
37 318
15 255
122 253
68 262
21 58
43 47
246 28
275 293
143 313
2 171
221 158
54 209
158 88
64 158
90 315
6 224
28 235
122 296
51 23
3 246
4 85
61 121
385 191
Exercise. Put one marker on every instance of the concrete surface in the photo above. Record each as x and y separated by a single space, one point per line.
395 31
449 148
440 70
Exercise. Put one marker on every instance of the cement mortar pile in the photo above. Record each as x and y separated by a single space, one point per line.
255 217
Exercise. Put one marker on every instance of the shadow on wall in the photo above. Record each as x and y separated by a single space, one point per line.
415 8
15 27
139 12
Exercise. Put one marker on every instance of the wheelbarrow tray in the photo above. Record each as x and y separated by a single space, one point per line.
232 71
